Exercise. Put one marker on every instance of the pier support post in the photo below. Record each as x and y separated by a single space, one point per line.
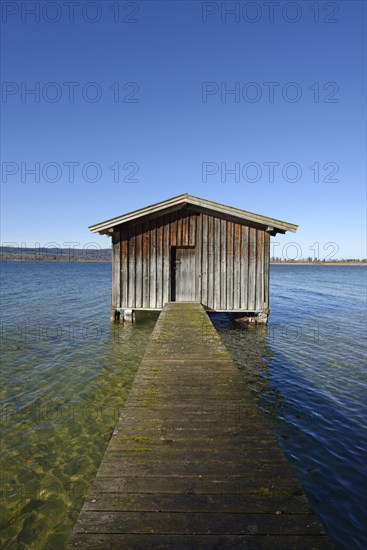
262 318
129 315
259 319
122 314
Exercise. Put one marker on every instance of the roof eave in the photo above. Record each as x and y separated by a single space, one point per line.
130 216
274 226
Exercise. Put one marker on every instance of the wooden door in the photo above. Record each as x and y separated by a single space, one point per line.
183 274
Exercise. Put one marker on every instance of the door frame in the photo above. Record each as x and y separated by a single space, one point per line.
173 269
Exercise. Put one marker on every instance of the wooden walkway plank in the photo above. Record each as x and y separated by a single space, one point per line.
192 462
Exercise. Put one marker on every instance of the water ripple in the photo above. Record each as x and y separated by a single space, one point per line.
67 371
312 386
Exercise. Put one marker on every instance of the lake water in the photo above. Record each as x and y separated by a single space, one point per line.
66 371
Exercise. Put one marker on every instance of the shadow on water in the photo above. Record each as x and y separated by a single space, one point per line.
324 445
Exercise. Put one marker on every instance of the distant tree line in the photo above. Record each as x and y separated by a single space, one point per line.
8 253
310 260
86 254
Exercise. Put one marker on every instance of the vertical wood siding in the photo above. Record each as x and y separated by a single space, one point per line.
231 262
116 269
124 280
266 270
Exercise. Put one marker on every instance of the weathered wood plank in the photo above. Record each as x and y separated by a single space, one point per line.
211 263
198 229
153 265
236 471
210 542
193 221
179 229
266 270
131 276
177 451
229 266
223 264
159 255
237 259
138 266
166 280
248 446
204 276
244 267
252 269
235 503
259 270
185 227
200 524
145 262
173 230
124 267
177 485
217 263
116 269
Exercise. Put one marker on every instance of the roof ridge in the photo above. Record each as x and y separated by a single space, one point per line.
172 203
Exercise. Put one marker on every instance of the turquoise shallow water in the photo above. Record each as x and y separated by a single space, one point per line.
66 371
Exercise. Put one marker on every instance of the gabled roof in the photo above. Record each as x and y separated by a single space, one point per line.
175 203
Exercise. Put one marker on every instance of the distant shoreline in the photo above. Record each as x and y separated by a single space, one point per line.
319 263
109 262
56 261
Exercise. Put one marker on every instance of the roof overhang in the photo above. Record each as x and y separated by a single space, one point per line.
273 226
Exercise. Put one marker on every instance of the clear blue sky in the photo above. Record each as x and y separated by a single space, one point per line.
161 70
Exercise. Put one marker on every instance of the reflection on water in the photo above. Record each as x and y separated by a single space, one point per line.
67 370
307 370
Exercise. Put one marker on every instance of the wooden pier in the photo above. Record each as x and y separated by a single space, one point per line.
192 462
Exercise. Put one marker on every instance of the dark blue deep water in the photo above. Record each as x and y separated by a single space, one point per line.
66 371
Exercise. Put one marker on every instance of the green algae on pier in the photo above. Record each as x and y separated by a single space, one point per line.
201 478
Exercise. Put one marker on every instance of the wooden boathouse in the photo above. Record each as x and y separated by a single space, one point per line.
188 249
